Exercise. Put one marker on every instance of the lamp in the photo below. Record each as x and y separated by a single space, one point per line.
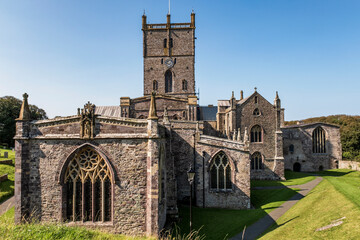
191 175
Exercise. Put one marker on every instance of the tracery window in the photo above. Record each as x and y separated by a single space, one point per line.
184 85
168 81
220 172
256 112
256 134
256 161
319 140
155 85
88 187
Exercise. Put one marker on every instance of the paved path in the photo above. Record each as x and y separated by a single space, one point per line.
264 223
7 205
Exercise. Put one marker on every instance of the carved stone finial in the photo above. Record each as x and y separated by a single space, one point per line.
232 94
87 121
239 135
166 116
24 110
277 102
152 110
246 135
255 89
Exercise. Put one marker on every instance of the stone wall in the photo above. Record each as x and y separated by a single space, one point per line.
239 196
352 165
182 53
133 154
300 136
273 165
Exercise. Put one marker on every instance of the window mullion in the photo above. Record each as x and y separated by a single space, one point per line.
103 201
74 200
93 201
83 201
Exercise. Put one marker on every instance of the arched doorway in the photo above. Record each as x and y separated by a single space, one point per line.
321 168
297 167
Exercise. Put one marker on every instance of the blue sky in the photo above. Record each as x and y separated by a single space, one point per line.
64 53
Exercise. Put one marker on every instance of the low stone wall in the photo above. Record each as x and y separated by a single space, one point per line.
3 178
6 162
349 165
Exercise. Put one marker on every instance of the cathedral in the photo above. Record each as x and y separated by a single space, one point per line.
125 168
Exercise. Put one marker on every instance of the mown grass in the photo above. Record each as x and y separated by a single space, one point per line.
337 196
292 178
217 223
7 187
8 230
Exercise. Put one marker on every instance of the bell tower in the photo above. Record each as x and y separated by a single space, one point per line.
169 57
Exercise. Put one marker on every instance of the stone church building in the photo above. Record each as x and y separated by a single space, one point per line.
124 168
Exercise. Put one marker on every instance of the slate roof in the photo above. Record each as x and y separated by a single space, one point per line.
310 124
207 113
109 111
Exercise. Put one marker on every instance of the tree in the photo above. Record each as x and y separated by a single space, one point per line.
9 111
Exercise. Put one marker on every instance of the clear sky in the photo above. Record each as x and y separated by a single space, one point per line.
65 52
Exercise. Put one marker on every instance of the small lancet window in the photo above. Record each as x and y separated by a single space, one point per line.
171 43
256 112
155 85
256 161
256 134
88 187
256 99
165 43
319 140
184 85
168 81
291 148
220 173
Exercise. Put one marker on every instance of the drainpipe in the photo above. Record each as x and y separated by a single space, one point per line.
203 158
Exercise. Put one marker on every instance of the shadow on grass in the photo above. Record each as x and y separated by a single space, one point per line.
218 223
6 190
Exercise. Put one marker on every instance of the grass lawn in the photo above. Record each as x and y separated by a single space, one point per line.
223 223
337 196
8 230
292 178
7 187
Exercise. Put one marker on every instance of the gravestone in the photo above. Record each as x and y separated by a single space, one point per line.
6 154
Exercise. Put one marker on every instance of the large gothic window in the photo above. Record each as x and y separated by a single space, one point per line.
256 134
319 140
256 161
220 172
168 81
88 187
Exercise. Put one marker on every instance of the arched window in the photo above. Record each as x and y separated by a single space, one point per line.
291 148
220 172
256 99
168 81
319 140
256 112
155 85
176 117
88 187
256 161
184 85
256 134
141 117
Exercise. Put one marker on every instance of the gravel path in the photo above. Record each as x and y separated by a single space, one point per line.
7 205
